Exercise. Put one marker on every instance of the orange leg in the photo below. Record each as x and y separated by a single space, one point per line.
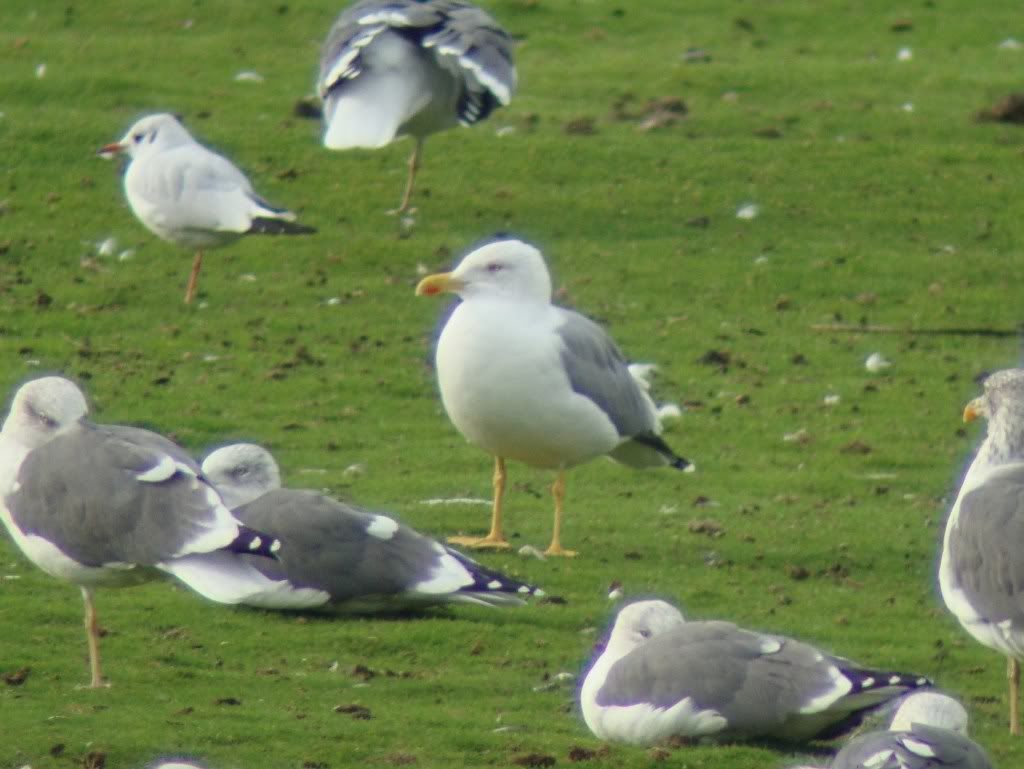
193 278
558 492
496 537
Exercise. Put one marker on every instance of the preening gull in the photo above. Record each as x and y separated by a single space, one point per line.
928 731
337 555
106 505
189 195
526 380
660 676
394 68
982 567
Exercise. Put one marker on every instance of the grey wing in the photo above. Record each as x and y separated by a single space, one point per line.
466 41
104 495
597 370
755 681
985 553
702 660
329 546
197 189
481 49
923 747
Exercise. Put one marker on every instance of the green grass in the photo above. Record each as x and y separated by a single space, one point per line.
868 212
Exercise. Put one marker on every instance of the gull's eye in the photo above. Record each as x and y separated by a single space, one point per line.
495 267
137 138
645 633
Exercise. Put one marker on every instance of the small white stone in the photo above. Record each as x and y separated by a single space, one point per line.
505 130
357 468
247 277
124 256
248 76
334 301
761 259
422 269
904 54
668 509
831 399
907 106
748 211
1011 44
211 358
797 436
106 247
876 362
40 71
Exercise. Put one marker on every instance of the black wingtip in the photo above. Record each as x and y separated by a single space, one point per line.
267 226
655 442
252 542
489 581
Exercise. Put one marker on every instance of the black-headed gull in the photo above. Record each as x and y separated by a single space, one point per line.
187 194
106 505
981 571
660 676
392 68
526 380
338 556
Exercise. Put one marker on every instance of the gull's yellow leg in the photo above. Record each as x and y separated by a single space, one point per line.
1013 674
92 632
414 166
496 537
193 278
558 492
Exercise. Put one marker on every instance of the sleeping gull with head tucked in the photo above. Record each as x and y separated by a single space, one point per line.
394 68
189 195
928 731
982 565
339 556
524 379
660 676
106 505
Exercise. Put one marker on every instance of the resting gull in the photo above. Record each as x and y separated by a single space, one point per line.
394 68
189 195
660 676
526 380
928 731
337 555
106 505
982 567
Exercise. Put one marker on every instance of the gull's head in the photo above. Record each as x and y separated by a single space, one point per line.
150 134
43 409
1003 400
640 621
242 472
931 709
506 268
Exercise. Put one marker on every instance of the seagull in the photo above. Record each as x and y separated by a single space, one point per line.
393 68
660 676
189 195
107 505
340 556
526 380
928 731
982 564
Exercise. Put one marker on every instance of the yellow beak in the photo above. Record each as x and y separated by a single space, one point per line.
973 410
432 285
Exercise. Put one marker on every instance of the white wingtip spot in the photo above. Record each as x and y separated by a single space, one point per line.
494 584
276 546
161 471
922 681
255 544
382 527
893 680
867 683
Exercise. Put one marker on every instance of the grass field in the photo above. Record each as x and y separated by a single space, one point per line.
881 201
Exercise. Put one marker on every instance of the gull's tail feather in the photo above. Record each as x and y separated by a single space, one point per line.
265 226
